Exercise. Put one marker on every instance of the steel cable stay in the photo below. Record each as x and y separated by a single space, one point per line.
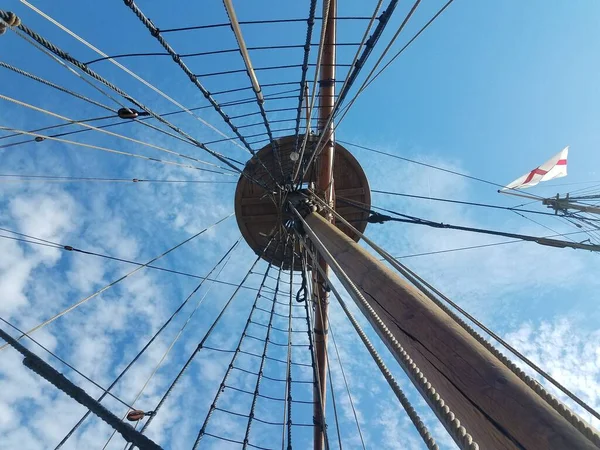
66 57
429 291
343 372
235 26
222 263
143 121
50 127
370 78
120 66
202 342
431 166
116 281
70 366
462 202
63 64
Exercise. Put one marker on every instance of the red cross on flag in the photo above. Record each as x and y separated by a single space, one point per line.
555 167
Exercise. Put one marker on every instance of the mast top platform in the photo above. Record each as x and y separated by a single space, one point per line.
260 213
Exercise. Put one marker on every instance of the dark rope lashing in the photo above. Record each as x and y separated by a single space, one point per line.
130 113
11 21
137 414
302 294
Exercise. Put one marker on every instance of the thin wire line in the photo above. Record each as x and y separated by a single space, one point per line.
113 258
111 284
431 166
55 86
346 384
50 352
109 150
125 69
45 179
225 260
461 202
110 133
330 119
65 56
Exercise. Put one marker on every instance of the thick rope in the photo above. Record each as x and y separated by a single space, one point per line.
36 364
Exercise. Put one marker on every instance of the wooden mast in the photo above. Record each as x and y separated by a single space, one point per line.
325 189
495 406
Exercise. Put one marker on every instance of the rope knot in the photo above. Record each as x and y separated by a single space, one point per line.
12 21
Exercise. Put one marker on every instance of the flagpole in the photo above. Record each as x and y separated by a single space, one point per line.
531 197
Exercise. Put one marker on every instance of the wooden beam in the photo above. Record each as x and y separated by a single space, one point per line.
325 190
498 409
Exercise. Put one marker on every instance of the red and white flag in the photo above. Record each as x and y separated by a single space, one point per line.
555 167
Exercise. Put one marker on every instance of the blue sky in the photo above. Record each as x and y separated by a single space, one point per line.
492 89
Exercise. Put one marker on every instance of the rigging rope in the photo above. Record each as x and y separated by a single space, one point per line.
65 56
428 290
110 150
368 82
322 423
225 260
111 284
147 345
56 86
110 133
59 179
330 118
85 252
233 360
404 218
287 408
202 342
309 30
50 352
37 365
459 202
120 66
430 166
